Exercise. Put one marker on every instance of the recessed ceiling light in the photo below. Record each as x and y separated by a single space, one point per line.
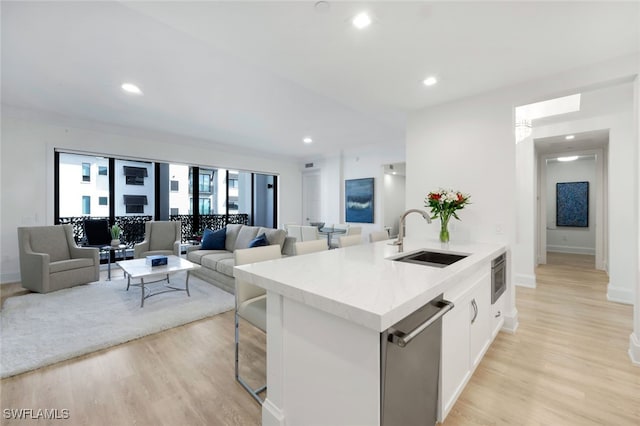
571 158
430 81
131 88
361 21
569 137
307 140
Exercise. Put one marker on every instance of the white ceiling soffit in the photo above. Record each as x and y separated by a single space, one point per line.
584 141
263 75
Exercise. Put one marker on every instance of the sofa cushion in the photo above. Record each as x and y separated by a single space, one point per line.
225 266
196 256
214 240
274 236
66 265
211 260
259 241
232 236
51 240
163 235
246 234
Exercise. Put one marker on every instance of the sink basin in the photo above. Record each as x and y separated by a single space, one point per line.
431 258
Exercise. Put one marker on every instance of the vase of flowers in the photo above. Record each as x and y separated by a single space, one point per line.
443 204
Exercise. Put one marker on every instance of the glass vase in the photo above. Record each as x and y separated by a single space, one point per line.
444 233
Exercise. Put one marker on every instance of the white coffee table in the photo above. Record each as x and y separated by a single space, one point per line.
138 268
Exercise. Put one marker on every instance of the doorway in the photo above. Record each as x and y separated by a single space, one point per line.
558 167
394 194
311 198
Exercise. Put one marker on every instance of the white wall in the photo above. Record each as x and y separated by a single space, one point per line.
355 164
571 239
393 200
469 145
27 168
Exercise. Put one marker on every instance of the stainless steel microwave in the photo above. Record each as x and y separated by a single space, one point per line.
498 277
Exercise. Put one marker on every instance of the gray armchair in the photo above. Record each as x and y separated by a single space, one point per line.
50 260
160 238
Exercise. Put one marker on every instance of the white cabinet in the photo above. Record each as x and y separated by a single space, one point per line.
466 335
497 315
479 323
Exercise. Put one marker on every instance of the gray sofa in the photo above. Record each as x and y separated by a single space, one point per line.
217 265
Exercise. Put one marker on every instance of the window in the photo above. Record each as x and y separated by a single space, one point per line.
135 203
103 170
173 211
204 206
135 175
205 182
175 185
86 204
103 201
134 208
86 172
233 183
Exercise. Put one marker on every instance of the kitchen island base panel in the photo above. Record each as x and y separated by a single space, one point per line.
331 371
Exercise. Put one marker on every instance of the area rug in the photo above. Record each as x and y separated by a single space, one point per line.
42 329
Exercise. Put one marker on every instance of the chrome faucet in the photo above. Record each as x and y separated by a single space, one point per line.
401 232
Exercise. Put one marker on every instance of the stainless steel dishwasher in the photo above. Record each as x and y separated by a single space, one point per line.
410 366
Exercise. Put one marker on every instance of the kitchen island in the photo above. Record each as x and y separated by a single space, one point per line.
325 315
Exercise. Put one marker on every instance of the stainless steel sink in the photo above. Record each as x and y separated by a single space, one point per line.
431 258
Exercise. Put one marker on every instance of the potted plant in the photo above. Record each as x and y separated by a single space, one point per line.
115 235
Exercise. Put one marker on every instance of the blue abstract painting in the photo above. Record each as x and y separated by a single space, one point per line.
359 200
572 204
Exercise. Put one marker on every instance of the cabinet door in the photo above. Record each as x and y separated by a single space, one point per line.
479 320
497 316
455 355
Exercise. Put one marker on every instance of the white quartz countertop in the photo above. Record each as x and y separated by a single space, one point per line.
361 284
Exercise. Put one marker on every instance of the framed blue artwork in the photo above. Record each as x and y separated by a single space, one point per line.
572 204
359 200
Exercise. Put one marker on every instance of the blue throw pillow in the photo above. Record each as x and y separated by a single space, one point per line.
214 240
259 241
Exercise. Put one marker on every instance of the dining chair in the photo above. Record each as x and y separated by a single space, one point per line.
309 233
306 247
354 230
251 304
295 232
344 227
378 236
349 240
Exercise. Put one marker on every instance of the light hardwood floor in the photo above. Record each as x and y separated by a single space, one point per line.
566 365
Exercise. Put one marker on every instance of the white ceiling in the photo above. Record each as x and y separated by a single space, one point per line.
262 75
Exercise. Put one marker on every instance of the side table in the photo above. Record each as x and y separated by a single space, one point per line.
108 250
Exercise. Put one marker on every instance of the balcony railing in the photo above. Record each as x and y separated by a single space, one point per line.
133 226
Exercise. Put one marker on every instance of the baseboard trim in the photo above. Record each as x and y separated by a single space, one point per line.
525 280
572 250
9 278
271 415
511 322
619 295
634 349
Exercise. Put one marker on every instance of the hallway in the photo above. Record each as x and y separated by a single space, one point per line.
567 363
